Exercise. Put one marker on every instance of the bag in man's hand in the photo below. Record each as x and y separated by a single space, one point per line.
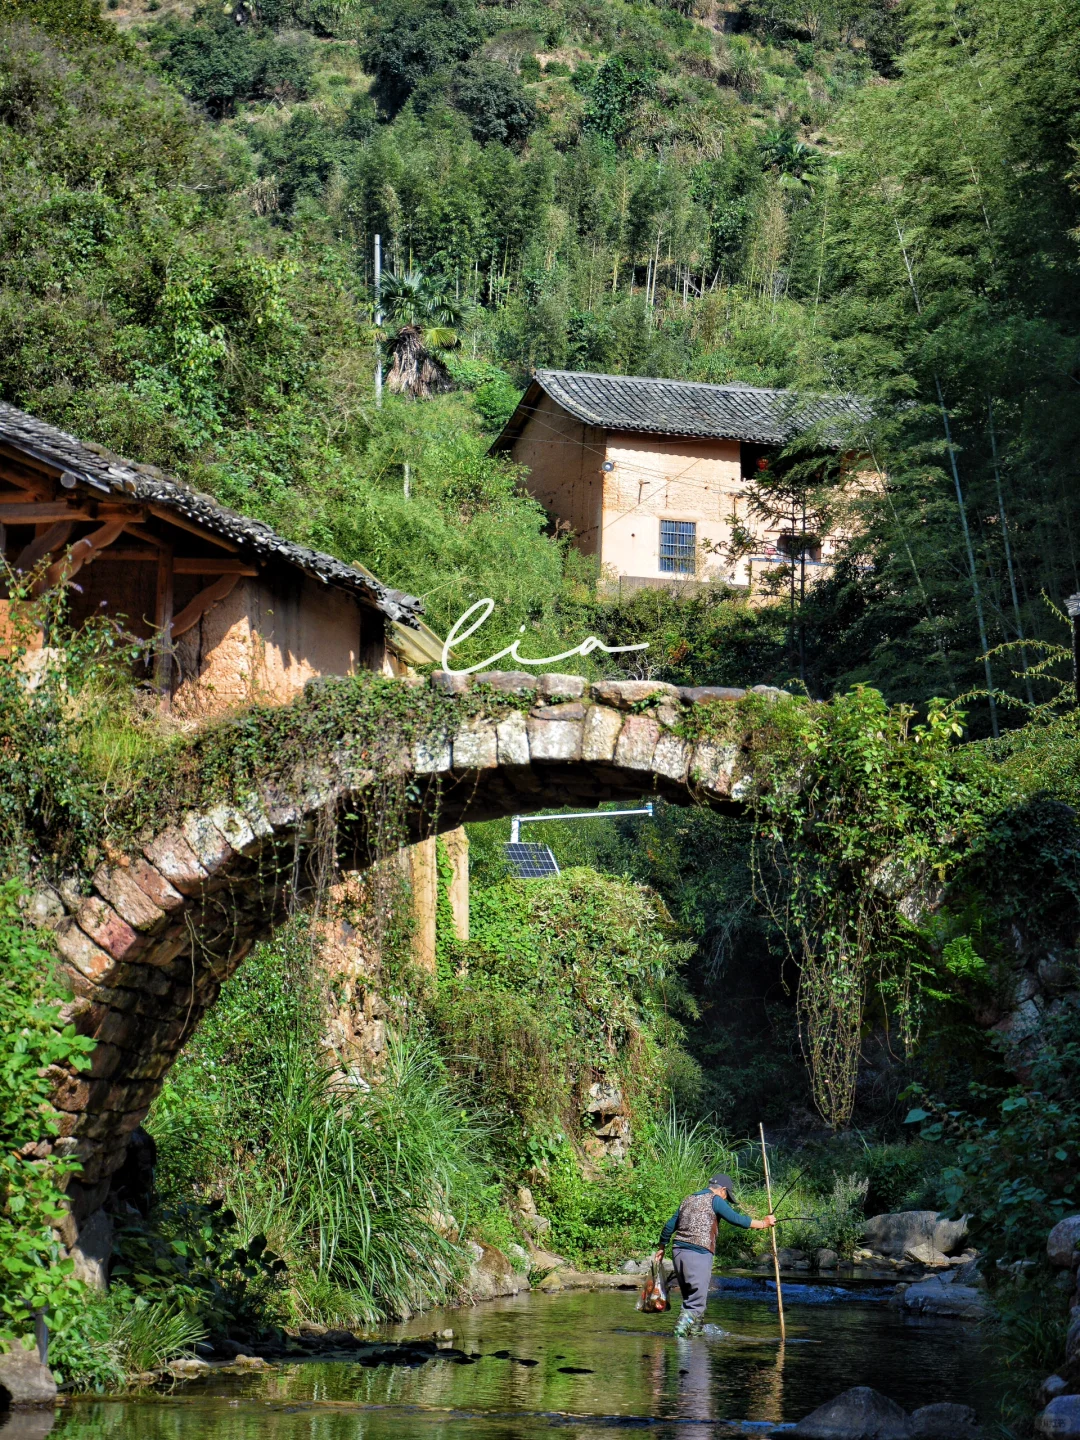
653 1297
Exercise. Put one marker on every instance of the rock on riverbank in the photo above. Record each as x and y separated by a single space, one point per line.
24 1380
865 1414
1061 1418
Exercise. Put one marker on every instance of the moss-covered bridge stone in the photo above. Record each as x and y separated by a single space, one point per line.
149 938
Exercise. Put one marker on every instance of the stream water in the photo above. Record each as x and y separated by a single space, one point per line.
580 1364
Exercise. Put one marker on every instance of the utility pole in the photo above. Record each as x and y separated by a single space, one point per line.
1072 605
408 480
378 320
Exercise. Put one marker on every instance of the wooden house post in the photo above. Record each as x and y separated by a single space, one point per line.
163 619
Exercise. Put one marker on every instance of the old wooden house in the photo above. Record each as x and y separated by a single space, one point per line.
236 613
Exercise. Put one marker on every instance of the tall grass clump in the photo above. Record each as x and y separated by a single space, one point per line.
363 1192
151 1333
359 1190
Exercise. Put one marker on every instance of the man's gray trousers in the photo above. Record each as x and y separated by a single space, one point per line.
694 1271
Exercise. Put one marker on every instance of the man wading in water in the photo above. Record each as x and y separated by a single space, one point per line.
694 1227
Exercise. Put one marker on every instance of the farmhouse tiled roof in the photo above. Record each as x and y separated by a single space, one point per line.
685 407
95 466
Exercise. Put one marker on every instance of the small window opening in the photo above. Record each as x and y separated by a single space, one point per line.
799 545
678 547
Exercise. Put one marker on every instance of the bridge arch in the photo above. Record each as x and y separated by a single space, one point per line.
165 925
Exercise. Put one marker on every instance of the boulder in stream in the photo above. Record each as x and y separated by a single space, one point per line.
1062 1242
914 1235
1061 1418
492 1275
857 1414
945 1422
942 1297
24 1380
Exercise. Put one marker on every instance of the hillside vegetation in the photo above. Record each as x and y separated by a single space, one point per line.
846 195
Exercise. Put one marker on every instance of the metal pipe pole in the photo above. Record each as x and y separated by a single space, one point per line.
772 1234
378 320
579 815
1072 605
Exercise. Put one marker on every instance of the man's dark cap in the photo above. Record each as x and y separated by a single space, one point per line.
724 1181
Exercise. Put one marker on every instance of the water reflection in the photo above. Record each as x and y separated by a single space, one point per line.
598 1368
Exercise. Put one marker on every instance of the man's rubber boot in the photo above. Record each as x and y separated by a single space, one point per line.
686 1325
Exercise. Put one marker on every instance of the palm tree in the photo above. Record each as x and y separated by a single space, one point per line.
425 314
792 159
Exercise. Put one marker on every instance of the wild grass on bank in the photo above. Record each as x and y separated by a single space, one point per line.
363 1192
601 1221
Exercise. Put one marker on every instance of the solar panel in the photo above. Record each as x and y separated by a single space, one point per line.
531 862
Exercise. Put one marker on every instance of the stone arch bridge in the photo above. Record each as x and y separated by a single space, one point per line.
148 949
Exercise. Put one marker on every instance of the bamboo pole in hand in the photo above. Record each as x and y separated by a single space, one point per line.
772 1234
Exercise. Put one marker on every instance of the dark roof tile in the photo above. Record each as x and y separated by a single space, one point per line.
686 407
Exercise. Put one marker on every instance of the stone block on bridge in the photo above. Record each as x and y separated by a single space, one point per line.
431 756
562 687
671 758
602 727
513 741
713 765
154 886
555 740
207 843
625 694
130 901
476 746
702 694
507 682
80 951
172 856
637 743
105 927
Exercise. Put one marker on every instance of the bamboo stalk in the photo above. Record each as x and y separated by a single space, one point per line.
772 1234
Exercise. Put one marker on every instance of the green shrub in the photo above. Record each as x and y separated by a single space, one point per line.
840 1216
32 1039
563 982
413 40
495 103
601 1221
220 64
1017 1156
75 18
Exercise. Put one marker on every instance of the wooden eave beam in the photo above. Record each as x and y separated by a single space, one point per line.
162 512
48 512
187 564
83 552
206 599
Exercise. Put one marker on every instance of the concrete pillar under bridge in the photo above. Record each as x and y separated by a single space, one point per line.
147 950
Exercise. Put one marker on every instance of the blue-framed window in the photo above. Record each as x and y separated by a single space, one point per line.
678 547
